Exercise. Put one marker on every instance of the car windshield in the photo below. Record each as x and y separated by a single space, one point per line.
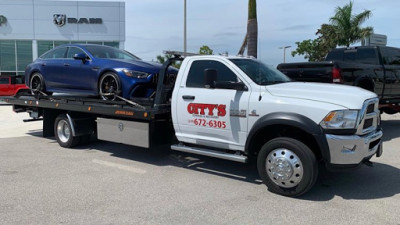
105 52
259 72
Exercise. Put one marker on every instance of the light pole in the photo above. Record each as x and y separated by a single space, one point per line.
284 52
184 27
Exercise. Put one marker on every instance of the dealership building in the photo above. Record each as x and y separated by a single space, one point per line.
28 28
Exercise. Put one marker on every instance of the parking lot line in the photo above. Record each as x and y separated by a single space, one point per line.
119 166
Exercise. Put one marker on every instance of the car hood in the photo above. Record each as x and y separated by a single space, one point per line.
342 95
138 64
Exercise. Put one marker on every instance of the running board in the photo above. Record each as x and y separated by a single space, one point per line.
208 152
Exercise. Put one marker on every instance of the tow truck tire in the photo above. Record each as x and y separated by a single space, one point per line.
109 84
287 166
63 132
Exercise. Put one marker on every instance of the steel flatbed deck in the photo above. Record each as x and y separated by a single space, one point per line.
115 109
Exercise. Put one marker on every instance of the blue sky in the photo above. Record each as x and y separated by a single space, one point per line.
156 25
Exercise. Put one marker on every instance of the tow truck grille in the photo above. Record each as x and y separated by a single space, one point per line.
369 117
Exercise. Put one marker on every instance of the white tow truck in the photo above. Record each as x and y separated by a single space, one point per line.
233 108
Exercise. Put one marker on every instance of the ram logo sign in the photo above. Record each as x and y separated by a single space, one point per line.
3 20
61 19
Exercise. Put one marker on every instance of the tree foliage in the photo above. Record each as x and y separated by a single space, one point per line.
348 26
205 50
344 30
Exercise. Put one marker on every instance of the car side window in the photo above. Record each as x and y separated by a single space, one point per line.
4 80
367 55
391 56
196 73
349 55
58 53
74 50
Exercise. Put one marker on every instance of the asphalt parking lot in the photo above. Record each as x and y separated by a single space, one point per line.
107 183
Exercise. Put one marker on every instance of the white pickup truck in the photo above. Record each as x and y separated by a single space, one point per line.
234 108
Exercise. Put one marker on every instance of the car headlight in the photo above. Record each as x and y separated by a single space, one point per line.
136 74
341 119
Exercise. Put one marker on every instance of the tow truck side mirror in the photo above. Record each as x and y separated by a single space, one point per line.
210 78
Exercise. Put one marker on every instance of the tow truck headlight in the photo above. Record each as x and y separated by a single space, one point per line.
342 119
136 74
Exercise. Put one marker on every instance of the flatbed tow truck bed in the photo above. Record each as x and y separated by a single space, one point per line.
118 121
117 109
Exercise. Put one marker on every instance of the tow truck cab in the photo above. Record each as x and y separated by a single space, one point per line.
241 106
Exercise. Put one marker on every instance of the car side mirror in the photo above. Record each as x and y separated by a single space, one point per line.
210 78
80 56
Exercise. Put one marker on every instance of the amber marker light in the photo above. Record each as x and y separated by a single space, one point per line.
329 117
145 114
89 108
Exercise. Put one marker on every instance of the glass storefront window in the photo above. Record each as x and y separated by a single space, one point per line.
58 43
44 46
7 55
24 54
15 55
112 44
95 42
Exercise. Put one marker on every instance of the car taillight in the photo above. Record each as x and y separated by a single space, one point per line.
336 75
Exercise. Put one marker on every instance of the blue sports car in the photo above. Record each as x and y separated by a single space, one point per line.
93 70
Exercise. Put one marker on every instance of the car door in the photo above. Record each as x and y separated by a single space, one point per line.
5 86
79 74
212 117
51 67
391 59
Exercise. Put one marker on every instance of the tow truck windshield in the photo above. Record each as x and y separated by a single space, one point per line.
259 72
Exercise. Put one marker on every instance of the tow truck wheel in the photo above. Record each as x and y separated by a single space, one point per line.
63 132
109 86
287 166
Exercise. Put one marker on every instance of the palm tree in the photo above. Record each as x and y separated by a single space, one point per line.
251 38
348 26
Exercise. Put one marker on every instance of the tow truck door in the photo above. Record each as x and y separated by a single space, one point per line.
212 117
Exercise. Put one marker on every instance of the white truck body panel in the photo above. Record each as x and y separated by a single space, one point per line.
244 108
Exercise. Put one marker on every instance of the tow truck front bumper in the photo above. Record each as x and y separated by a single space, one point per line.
353 149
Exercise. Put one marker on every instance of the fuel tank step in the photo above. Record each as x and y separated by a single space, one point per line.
208 152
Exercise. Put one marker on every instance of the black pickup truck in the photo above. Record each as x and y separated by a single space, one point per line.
375 68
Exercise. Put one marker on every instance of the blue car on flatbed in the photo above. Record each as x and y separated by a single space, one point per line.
97 70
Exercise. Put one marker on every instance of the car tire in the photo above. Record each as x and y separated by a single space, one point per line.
109 86
287 166
63 132
37 85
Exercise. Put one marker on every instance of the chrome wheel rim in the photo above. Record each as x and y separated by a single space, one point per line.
63 131
284 168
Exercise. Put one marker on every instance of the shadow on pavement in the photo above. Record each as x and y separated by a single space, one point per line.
166 157
381 181
391 129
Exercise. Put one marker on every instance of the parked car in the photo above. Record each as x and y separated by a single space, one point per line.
375 68
93 70
10 85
